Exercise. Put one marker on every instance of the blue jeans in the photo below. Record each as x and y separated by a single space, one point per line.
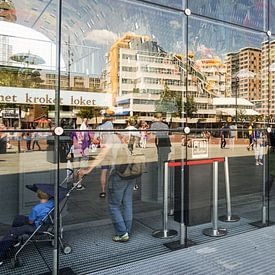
120 203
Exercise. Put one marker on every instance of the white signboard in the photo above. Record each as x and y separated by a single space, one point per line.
47 97
10 113
199 148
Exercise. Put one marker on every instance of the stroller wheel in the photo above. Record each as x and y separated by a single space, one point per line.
16 263
67 249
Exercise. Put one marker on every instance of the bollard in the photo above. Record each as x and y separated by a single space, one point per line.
165 232
228 217
215 231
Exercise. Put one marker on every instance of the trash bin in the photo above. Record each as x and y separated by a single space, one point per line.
3 145
198 190
64 145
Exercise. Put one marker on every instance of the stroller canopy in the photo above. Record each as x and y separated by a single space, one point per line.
48 189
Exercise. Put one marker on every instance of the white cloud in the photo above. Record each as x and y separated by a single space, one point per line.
175 24
101 36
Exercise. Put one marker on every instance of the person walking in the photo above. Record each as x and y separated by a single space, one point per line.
258 139
250 137
132 134
119 190
143 134
162 141
35 137
223 135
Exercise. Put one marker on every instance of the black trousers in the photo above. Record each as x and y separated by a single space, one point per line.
20 226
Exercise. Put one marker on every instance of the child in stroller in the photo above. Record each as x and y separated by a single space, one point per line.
26 224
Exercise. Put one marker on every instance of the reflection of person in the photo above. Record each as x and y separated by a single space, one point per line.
163 144
258 139
132 134
26 224
3 139
250 137
28 140
119 190
107 125
223 135
35 137
143 133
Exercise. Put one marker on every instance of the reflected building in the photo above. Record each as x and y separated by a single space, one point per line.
267 101
215 73
246 60
137 69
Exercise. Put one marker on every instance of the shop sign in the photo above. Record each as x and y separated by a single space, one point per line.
47 97
199 148
10 113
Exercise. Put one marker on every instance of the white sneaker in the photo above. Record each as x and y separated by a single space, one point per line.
257 163
261 163
1 263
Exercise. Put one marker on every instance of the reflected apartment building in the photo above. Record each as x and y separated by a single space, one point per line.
241 66
268 78
137 69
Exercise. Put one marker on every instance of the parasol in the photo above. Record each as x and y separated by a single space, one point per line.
28 58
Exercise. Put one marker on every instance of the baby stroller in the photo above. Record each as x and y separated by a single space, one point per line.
45 231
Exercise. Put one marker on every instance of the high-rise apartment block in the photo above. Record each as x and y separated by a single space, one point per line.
244 74
267 101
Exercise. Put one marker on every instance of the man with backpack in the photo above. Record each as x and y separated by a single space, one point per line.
123 175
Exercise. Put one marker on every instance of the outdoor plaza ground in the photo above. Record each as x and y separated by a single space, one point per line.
88 229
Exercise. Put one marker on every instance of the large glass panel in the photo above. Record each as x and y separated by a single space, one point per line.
227 127
27 55
252 14
133 52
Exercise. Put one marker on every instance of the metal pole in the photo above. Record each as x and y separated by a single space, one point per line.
165 200
165 232
57 122
264 193
215 231
228 217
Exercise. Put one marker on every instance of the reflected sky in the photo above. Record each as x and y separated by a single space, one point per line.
97 24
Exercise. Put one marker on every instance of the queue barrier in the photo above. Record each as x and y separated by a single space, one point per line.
184 213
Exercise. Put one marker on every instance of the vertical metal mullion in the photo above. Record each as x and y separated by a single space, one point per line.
268 107
57 123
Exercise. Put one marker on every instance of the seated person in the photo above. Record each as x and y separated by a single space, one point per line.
26 224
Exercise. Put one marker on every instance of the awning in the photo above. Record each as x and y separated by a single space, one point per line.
232 112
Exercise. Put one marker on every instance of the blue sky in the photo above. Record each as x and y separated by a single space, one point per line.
97 23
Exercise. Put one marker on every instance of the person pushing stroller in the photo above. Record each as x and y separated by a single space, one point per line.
26 224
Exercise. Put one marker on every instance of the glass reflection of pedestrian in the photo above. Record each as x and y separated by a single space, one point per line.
28 140
102 137
120 191
35 137
258 139
223 135
163 144
250 136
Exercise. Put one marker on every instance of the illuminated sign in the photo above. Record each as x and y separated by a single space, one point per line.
47 97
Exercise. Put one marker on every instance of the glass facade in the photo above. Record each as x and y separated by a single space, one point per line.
131 128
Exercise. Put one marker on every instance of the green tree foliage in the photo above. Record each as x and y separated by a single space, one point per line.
88 112
167 102
20 77
190 106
